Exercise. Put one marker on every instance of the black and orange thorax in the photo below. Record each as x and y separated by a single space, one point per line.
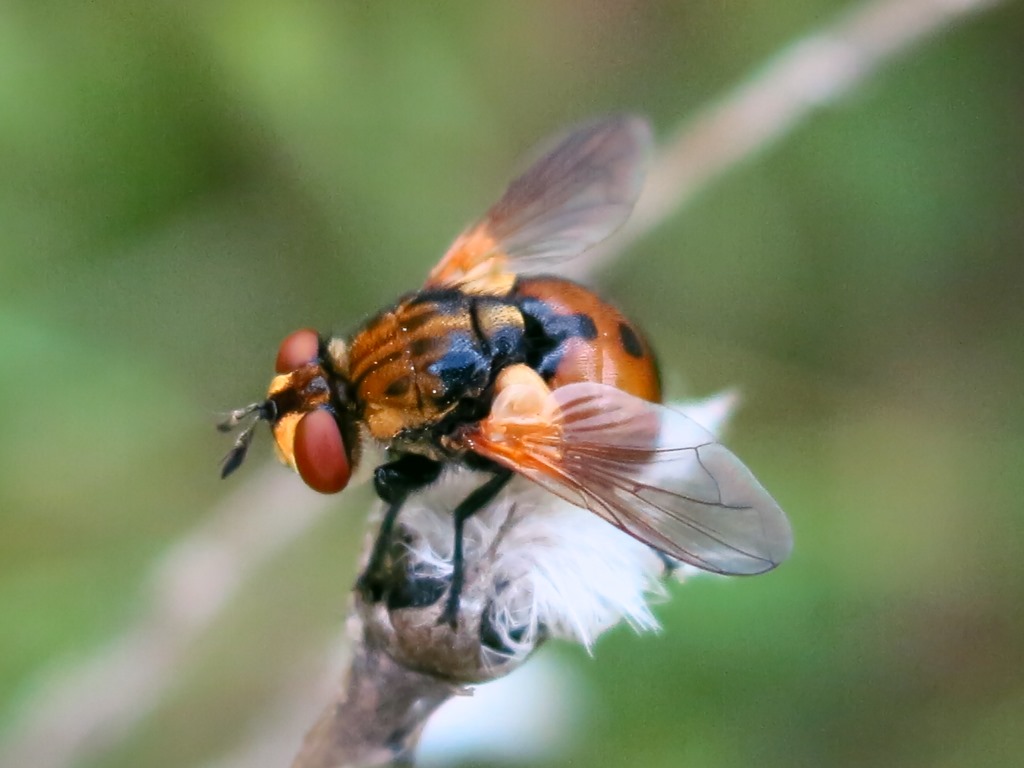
434 352
431 360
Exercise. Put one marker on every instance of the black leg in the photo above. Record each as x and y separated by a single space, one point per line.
372 581
393 482
472 504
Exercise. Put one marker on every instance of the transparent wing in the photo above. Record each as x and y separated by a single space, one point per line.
572 198
653 473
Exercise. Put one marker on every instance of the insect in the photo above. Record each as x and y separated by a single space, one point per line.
498 365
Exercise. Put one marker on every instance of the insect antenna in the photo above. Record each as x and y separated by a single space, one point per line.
265 411
234 418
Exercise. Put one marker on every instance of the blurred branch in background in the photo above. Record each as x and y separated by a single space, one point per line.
812 73
84 710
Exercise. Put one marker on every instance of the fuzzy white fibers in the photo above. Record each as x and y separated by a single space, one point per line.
552 568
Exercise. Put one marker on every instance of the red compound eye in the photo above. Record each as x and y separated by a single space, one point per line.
297 350
320 452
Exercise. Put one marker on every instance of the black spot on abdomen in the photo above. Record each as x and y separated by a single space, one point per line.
548 331
630 341
581 326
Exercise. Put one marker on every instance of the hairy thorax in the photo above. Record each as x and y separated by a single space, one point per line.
429 360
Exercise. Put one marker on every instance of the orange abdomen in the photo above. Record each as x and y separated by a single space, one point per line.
593 340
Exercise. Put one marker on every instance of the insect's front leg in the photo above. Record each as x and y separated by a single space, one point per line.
393 482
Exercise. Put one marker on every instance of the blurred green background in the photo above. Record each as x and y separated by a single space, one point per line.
182 184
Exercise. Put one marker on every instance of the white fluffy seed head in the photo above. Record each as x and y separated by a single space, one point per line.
554 567
536 566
